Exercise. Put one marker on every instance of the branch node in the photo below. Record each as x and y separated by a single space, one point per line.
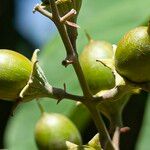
63 95
70 59
68 16
67 62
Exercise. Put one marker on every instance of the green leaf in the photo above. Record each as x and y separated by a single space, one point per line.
104 20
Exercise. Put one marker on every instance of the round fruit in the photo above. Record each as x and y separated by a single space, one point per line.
15 70
132 58
53 130
98 76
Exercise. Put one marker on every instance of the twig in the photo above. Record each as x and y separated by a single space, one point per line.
71 54
69 15
39 8
72 58
59 94
116 138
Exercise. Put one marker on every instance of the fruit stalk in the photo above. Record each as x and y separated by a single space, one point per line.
103 133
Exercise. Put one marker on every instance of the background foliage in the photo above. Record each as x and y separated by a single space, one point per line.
103 19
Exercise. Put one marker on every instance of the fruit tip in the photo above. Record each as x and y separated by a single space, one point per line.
88 36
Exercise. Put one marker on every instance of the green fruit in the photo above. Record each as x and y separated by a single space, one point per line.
15 70
53 130
132 58
98 76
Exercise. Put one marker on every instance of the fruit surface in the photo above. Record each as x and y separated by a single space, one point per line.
98 76
15 70
53 130
132 58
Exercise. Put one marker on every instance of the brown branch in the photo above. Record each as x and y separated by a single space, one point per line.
55 11
59 94
72 57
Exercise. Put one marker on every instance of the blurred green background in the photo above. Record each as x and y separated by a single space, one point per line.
23 31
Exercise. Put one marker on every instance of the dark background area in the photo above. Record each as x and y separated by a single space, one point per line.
11 39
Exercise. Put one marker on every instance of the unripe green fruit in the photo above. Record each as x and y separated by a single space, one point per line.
53 130
98 76
132 58
15 70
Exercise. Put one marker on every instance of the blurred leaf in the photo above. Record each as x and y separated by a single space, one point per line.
143 141
107 20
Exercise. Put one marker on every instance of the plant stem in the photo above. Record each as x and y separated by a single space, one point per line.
40 106
115 122
68 15
104 135
71 53
116 138
42 11
59 94
72 58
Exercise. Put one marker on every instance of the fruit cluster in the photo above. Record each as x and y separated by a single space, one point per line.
101 63
111 72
